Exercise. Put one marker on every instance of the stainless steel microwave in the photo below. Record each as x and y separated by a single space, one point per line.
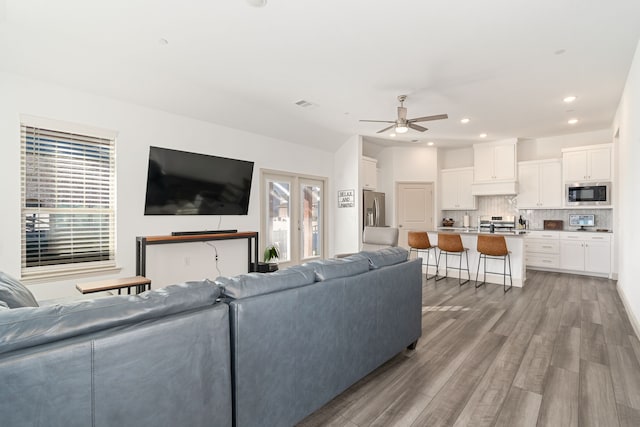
588 194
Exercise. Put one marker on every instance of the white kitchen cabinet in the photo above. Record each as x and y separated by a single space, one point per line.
540 184
369 173
572 255
591 163
455 189
542 249
494 161
585 252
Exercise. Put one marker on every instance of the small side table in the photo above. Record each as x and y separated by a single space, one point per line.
141 284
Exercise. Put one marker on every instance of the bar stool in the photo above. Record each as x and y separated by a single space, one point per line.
451 244
419 242
494 247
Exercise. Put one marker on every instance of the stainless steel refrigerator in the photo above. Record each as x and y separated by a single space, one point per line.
373 209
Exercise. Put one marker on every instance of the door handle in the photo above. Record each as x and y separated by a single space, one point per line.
399 225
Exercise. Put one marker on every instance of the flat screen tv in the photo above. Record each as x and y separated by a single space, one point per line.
183 183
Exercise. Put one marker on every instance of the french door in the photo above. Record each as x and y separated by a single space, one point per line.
293 216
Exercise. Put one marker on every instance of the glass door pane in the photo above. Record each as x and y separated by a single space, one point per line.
311 209
278 218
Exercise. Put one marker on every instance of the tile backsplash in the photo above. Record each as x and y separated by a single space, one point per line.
506 205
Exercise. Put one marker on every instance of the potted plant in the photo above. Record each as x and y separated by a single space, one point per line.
271 252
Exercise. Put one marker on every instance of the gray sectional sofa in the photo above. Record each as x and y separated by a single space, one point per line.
252 350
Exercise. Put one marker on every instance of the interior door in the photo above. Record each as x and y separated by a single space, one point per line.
414 207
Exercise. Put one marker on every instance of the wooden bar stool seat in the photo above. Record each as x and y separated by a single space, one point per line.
419 242
451 244
494 247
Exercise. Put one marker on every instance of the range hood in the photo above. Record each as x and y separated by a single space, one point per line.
503 188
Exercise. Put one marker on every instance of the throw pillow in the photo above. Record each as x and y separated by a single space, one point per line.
14 293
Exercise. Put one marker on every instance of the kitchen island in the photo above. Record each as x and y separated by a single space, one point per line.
469 236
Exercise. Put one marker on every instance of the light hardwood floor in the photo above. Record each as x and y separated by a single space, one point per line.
558 352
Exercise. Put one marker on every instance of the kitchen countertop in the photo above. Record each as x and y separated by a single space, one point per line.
517 233
572 231
475 232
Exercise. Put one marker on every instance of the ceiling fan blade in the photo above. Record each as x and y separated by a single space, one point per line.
379 121
429 118
416 127
386 129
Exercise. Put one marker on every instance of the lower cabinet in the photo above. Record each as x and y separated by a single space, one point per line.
588 253
542 249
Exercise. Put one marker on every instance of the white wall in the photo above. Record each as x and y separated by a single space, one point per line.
551 147
138 128
627 235
456 158
406 164
347 222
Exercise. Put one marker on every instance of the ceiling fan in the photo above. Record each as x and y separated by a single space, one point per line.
401 124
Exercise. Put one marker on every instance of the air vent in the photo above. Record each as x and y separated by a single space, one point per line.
304 104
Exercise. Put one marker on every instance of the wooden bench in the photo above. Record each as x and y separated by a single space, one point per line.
139 282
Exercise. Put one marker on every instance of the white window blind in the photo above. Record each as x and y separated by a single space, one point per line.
68 202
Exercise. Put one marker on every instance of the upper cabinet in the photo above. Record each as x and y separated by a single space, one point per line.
455 188
591 163
495 161
540 184
369 173
494 168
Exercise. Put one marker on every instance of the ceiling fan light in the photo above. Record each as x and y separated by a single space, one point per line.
401 128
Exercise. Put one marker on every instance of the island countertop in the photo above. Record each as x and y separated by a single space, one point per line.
469 236
475 232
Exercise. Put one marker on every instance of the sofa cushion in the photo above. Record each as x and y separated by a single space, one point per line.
342 267
27 326
385 257
247 285
14 293
3 305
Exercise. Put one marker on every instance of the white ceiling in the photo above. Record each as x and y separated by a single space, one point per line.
494 61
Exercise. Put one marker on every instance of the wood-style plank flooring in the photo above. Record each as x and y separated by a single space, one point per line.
558 352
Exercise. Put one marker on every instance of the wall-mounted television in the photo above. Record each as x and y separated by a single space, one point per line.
183 183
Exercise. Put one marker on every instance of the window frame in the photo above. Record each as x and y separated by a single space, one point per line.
104 209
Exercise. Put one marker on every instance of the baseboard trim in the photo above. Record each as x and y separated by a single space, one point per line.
635 323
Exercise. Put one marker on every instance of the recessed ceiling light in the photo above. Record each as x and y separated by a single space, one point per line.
392 135
572 121
415 140
430 143
465 120
569 99
483 135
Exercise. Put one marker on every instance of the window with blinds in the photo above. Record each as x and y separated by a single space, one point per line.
68 202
